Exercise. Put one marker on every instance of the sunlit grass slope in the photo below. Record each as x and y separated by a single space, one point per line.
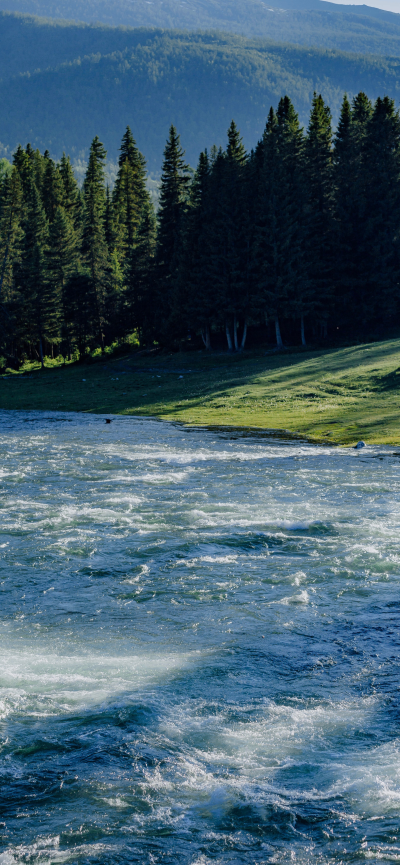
337 395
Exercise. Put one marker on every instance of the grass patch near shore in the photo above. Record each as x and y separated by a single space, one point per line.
339 395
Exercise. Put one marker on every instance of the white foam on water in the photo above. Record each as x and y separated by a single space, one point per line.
52 684
81 501
47 851
220 762
215 560
302 597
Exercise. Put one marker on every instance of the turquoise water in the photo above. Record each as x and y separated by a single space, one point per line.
199 646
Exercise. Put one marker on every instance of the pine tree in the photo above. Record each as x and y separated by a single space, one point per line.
11 234
63 264
138 310
174 193
72 202
52 188
318 177
234 235
350 182
382 214
38 165
23 166
130 194
279 246
94 244
10 231
38 303
195 296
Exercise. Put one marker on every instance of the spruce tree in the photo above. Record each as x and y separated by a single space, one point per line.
174 193
279 244
63 264
94 244
10 231
138 309
234 235
72 201
319 186
38 302
130 194
195 295
382 215
52 188
11 235
227 230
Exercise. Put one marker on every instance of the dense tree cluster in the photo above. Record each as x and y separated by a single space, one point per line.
303 233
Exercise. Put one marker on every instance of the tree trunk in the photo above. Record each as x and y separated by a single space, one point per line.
235 327
206 337
278 333
41 352
244 335
303 336
228 336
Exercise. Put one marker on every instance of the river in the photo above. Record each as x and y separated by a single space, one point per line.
200 652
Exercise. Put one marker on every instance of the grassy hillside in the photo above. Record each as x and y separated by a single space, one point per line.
306 22
336 395
197 81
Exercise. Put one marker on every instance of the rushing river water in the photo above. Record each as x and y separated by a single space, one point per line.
199 646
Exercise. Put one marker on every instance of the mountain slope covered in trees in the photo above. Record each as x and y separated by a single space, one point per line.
196 81
306 22
28 43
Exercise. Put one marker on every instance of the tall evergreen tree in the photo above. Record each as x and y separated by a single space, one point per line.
10 231
94 244
130 193
234 234
139 275
52 191
62 265
175 180
350 186
279 249
72 201
318 176
382 214
195 296
11 235
38 303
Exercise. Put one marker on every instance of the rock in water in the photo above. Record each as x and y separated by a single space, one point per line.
359 445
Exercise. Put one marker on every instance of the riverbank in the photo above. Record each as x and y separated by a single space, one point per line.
339 395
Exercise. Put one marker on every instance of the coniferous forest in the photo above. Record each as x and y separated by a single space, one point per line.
298 240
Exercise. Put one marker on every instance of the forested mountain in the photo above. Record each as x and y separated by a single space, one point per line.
306 22
28 43
298 237
196 81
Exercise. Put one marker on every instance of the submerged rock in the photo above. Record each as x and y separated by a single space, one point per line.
359 445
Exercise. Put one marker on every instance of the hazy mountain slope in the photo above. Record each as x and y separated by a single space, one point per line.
199 82
306 22
28 43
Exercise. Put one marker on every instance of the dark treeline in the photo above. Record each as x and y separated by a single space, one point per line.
301 236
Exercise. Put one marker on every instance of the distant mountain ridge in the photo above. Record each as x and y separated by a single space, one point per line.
152 78
306 22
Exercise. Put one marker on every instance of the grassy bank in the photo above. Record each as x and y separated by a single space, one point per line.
338 395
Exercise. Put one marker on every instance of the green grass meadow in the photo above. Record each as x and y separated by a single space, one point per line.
338 395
